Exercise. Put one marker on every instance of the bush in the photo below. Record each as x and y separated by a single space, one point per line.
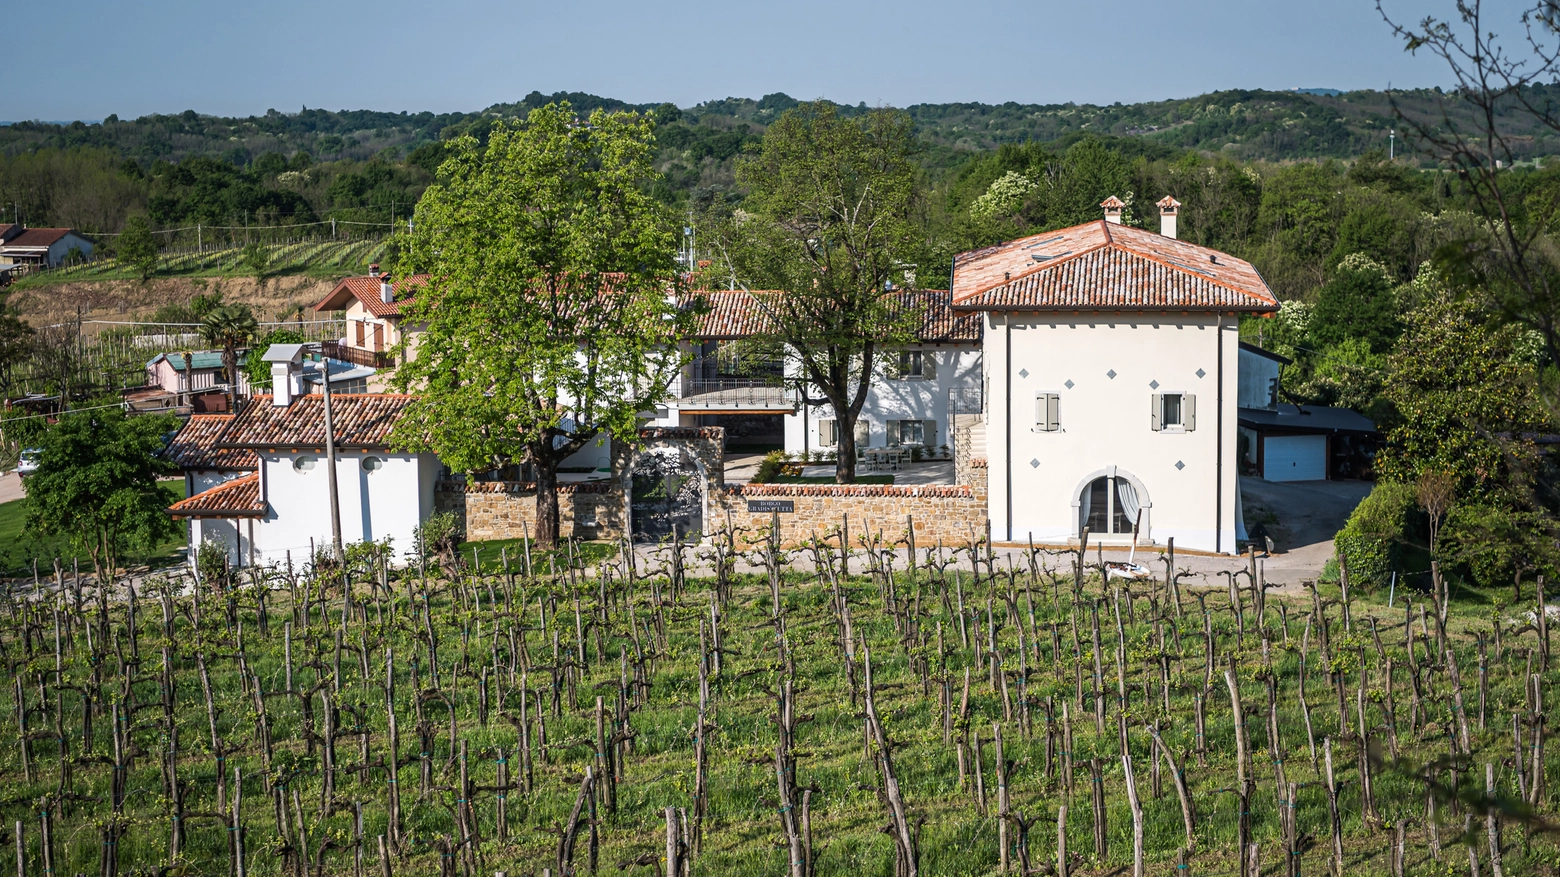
770 468
1373 538
1487 544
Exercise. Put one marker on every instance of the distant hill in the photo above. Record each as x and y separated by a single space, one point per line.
1252 125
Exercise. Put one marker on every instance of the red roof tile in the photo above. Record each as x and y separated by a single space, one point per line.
361 420
366 290
239 498
195 447
37 237
1103 266
740 314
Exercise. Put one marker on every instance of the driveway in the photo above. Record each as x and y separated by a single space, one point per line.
11 487
1302 517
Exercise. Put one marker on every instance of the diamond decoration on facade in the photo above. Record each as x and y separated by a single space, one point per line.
1153 385
1201 373
1034 464
1179 465
1111 374
1069 384
1023 372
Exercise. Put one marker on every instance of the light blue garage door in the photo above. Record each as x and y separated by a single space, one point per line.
1294 458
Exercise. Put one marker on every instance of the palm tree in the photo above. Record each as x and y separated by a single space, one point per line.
230 327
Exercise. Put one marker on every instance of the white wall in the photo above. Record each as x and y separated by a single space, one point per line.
1106 423
390 501
1257 374
958 367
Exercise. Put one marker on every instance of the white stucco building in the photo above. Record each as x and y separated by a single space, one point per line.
280 506
910 402
1111 383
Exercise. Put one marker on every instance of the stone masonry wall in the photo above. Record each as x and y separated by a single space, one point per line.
507 509
599 509
950 513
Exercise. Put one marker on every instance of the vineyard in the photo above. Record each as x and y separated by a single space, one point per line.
311 255
703 710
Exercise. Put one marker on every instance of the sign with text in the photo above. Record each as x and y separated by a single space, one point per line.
771 505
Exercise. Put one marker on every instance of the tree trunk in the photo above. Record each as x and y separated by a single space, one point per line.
845 446
546 466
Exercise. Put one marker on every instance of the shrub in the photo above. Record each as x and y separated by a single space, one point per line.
770 468
1373 538
1488 544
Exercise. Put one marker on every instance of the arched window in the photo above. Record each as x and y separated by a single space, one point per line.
1109 505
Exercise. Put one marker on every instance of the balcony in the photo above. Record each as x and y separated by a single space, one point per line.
357 355
736 395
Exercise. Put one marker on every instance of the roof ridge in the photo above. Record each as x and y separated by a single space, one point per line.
1039 268
1208 277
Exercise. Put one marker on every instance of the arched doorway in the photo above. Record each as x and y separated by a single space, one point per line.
1111 505
667 496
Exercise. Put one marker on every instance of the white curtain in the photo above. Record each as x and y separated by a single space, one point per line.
1085 504
1126 498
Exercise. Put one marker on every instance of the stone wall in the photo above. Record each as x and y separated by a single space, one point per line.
950 513
599 509
507 509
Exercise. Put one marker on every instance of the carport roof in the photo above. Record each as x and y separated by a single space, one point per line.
1317 419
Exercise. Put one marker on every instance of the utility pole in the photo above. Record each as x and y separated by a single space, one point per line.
330 457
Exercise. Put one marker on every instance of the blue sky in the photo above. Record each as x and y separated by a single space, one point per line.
94 57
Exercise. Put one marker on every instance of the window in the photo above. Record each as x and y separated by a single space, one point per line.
911 432
1047 406
1109 506
828 433
373 464
917 364
303 464
1173 412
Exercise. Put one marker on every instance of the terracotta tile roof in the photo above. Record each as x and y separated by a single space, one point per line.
37 237
738 314
1103 266
362 420
195 447
366 290
239 498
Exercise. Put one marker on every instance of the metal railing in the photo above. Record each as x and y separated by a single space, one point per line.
357 355
736 393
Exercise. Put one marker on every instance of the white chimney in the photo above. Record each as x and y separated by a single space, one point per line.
1113 207
286 373
386 291
1167 210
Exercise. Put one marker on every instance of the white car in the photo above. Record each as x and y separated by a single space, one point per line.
28 462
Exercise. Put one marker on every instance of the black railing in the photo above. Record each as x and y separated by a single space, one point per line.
357 355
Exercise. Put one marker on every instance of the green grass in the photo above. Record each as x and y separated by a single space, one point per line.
472 641
314 258
18 548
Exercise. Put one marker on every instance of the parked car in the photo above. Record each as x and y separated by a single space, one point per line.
28 462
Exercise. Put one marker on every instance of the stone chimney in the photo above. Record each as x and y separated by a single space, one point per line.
286 373
373 269
1167 210
386 290
1113 207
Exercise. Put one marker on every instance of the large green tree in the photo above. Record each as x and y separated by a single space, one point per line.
137 248
96 484
551 316
829 222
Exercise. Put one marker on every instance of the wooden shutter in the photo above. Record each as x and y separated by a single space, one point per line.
1156 405
929 366
379 337
1189 412
1053 404
863 433
929 433
828 433
359 324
